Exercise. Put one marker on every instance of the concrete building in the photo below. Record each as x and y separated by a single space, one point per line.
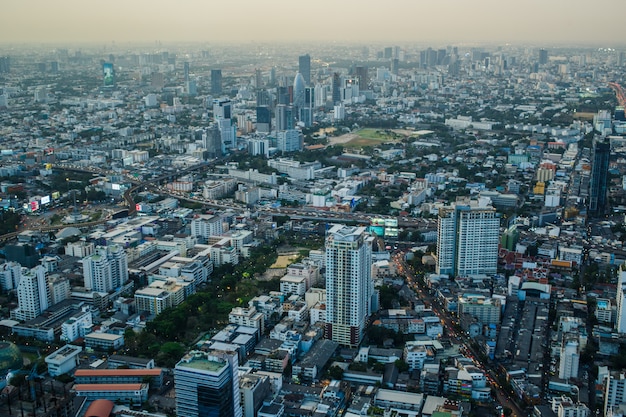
468 238
63 360
33 294
106 269
349 286
207 383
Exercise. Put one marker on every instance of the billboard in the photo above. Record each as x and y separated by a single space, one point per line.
115 186
108 74
56 195
45 200
34 205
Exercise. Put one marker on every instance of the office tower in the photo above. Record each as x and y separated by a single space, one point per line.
106 269
216 81
108 74
212 141
33 294
54 67
186 71
258 78
361 75
614 392
207 384
622 58
336 86
319 95
304 68
283 95
263 119
468 237
569 358
543 56
263 98
598 182
285 119
222 108
306 112
348 283
395 64
388 52
158 81
254 389
273 76
222 113
298 93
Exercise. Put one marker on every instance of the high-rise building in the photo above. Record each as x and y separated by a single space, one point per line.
285 119
348 283
336 88
108 74
467 239
106 269
306 112
362 76
5 64
33 294
298 93
569 358
304 68
543 56
186 70
10 275
614 391
598 182
222 113
258 78
207 384
216 81
620 322
263 119
289 140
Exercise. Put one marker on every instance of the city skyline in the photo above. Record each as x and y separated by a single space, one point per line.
477 21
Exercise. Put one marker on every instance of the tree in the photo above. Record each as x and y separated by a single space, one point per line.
335 372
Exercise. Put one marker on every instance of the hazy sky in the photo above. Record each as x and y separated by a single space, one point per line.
344 21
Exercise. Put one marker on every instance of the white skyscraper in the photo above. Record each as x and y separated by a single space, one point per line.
348 283
33 294
569 359
468 238
106 269
621 305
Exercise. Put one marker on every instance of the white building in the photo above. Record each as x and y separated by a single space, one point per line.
106 269
247 317
78 325
349 286
293 285
63 360
569 359
205 225
10 274
468 238
33 294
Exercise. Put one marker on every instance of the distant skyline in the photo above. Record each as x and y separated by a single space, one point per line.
546 22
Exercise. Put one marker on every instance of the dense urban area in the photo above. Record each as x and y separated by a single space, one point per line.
319 230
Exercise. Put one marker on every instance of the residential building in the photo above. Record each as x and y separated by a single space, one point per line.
33 294
106 269
468 238
348 283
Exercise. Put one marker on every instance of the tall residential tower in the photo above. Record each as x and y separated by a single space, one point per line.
349 285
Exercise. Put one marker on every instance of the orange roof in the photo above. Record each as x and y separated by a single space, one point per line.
118 372
107 387
100 408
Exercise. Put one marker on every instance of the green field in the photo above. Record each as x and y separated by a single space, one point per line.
371 137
